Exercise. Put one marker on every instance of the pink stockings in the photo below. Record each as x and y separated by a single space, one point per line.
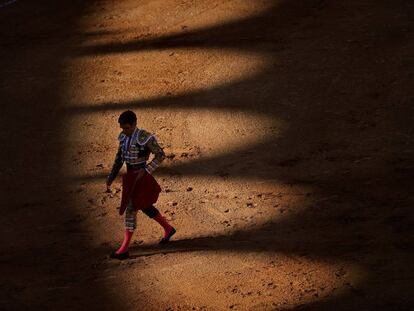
164 223
125 244
130 222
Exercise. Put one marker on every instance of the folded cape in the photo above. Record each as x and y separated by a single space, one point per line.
143 192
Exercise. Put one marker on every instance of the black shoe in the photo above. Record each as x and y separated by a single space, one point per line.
121 256
167 239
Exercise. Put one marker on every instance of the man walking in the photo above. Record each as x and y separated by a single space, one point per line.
139 188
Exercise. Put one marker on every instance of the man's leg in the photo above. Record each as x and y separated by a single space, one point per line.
155 214
130 226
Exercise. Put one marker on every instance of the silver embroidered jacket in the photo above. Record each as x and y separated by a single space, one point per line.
135 152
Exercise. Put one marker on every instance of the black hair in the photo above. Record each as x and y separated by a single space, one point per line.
127 117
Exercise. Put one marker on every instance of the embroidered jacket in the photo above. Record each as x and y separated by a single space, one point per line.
135 152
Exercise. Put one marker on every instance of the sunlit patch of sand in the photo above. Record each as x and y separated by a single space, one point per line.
205 133
141 76
261 281
135 20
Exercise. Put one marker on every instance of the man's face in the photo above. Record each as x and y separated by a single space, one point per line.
128 129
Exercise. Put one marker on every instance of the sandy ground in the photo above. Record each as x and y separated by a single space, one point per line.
288 127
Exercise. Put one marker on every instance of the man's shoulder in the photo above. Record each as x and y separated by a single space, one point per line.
144 136
121 136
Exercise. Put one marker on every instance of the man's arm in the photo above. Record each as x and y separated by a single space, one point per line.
159 155
116 167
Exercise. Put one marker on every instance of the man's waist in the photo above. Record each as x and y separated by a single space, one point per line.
135 167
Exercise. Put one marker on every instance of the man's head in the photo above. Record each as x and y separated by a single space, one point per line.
128 122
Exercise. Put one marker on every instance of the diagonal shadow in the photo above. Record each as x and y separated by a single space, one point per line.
341 83
234 34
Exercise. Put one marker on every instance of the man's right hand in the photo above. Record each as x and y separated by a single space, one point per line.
108 186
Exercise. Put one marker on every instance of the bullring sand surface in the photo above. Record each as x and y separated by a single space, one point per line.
288 132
